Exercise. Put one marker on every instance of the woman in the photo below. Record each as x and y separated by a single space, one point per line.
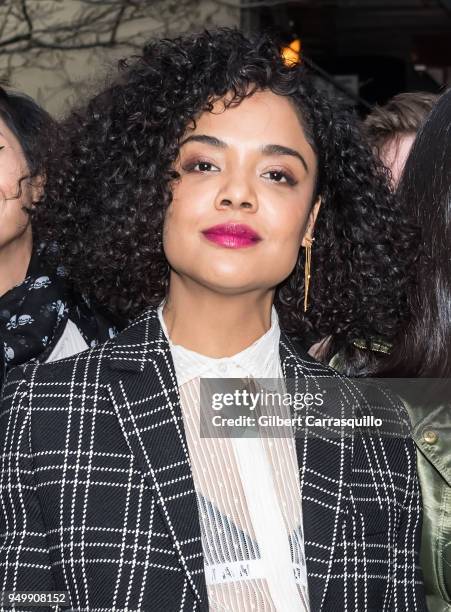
423 348
40 318
215 166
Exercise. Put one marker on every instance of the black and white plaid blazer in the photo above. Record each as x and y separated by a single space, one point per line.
97 495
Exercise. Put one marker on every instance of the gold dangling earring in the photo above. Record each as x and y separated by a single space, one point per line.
307 270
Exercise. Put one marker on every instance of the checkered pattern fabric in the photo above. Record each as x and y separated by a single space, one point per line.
97 496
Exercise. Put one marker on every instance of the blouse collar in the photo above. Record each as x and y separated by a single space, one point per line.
259 360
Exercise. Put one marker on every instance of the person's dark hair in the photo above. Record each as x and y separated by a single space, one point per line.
108 193
31 125
403 114
424 347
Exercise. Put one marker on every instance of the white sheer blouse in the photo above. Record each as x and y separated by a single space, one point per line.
247 491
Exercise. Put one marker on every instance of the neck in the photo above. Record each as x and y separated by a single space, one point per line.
14 261
213 324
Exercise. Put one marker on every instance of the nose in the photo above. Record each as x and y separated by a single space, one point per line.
237 191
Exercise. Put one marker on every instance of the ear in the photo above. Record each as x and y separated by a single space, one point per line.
37 188
308 234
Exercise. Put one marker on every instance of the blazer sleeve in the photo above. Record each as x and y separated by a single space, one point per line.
24 554
409 588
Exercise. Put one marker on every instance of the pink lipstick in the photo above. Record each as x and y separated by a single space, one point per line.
232 235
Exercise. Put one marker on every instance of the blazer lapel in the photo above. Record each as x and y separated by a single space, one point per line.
144 393
324 460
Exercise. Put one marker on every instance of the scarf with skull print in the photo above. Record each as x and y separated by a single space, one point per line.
33 316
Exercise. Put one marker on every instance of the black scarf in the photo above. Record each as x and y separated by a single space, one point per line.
33 316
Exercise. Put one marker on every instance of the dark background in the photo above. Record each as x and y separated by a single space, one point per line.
390 46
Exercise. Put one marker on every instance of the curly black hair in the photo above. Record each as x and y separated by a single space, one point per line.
109 187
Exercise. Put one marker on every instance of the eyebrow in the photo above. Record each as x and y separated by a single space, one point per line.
275 149
210 140
270 149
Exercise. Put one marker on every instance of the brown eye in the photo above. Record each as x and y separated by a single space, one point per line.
200 166
277 176
204 167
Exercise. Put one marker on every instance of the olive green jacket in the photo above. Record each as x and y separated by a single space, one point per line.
431 430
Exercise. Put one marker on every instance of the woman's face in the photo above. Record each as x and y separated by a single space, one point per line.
243 203
14 193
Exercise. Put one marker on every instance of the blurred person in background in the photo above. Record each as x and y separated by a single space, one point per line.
423 348
40 317
188 193
391 128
